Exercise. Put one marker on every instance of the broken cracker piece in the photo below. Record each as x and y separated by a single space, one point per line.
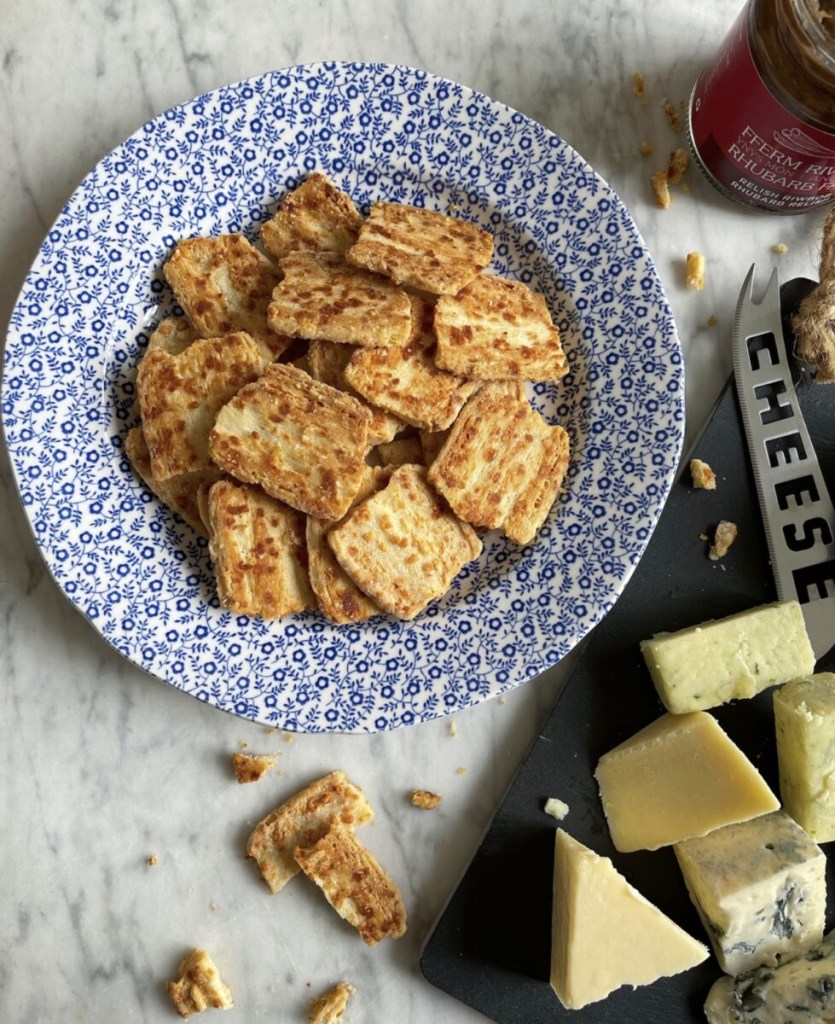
174 334
225 284
301 821
679 160
406 381
646 148
329 1008
673 114
199 985
424 799
180 397
702 475
661 190
694 271
257 546
180 493
323 296
421 248
556 808
316 215
354 884
402 546
723 538
502 465
638 83
302 441
252 767
498 329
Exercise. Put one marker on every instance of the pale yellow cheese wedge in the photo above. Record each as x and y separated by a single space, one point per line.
680 777
605 934
707 665
804 714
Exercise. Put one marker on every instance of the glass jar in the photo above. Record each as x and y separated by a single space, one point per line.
762 115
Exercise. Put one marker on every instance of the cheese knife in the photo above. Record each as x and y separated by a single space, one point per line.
796 506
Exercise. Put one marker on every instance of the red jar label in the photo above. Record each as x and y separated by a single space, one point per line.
755 150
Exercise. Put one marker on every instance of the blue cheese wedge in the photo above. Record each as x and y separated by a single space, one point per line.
804 713
704 666
605 934
760 889
801 991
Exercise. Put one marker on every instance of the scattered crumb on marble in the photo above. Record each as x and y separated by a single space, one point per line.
685 188
702 475
153 860
639 84
453 728
646 148
243 745
289 737
425 799
661 189
694 271
198 985
462 770
328 1008
502 699
677 165
252 767
780 248
673 114
213 906
712 320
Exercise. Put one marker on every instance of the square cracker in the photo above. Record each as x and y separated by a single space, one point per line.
258 550
302 441
497 329
421 248
316 215
323 296
326 362
224 284
406 381
340 599
300 821
180 493
354 884
179 397
502 465
402 546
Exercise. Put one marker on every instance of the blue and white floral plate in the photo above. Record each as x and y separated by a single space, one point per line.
220 163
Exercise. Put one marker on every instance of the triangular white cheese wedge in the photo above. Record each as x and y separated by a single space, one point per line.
605 933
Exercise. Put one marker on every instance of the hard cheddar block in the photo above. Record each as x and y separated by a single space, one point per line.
681 776
799 990
605 934
760 889
707 665
804 713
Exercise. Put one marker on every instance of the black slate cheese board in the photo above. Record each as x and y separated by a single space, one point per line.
491 945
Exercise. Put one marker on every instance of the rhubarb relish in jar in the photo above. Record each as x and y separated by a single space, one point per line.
762 115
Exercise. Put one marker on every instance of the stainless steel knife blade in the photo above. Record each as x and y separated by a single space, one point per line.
796 505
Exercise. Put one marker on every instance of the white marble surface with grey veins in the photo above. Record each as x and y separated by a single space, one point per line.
104 767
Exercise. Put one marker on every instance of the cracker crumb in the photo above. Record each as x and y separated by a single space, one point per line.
213 906
502 699
661 190
702 474
152 860
780 248
679 160
724 536
461 771
695 271
638 84
453 728
646 148
703 536
198 985
673 113
556 808
289 737
426 800
252 767
712 321
685 188
328 1008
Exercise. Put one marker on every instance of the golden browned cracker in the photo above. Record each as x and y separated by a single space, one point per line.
199 985
302 441
316 215
496 329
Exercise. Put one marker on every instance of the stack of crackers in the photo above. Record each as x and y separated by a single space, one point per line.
340 417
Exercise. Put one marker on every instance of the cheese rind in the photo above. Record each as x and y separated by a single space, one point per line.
804 715
800 990
707 665
760 889
605 934
681 776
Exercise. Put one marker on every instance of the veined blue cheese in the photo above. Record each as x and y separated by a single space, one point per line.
760 889
801 991
707 665
804 713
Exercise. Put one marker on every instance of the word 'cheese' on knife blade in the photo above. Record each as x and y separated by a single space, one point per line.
796 506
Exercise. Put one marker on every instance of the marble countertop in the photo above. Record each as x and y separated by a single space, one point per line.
104 768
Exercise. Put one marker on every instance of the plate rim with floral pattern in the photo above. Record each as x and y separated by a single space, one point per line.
220 163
